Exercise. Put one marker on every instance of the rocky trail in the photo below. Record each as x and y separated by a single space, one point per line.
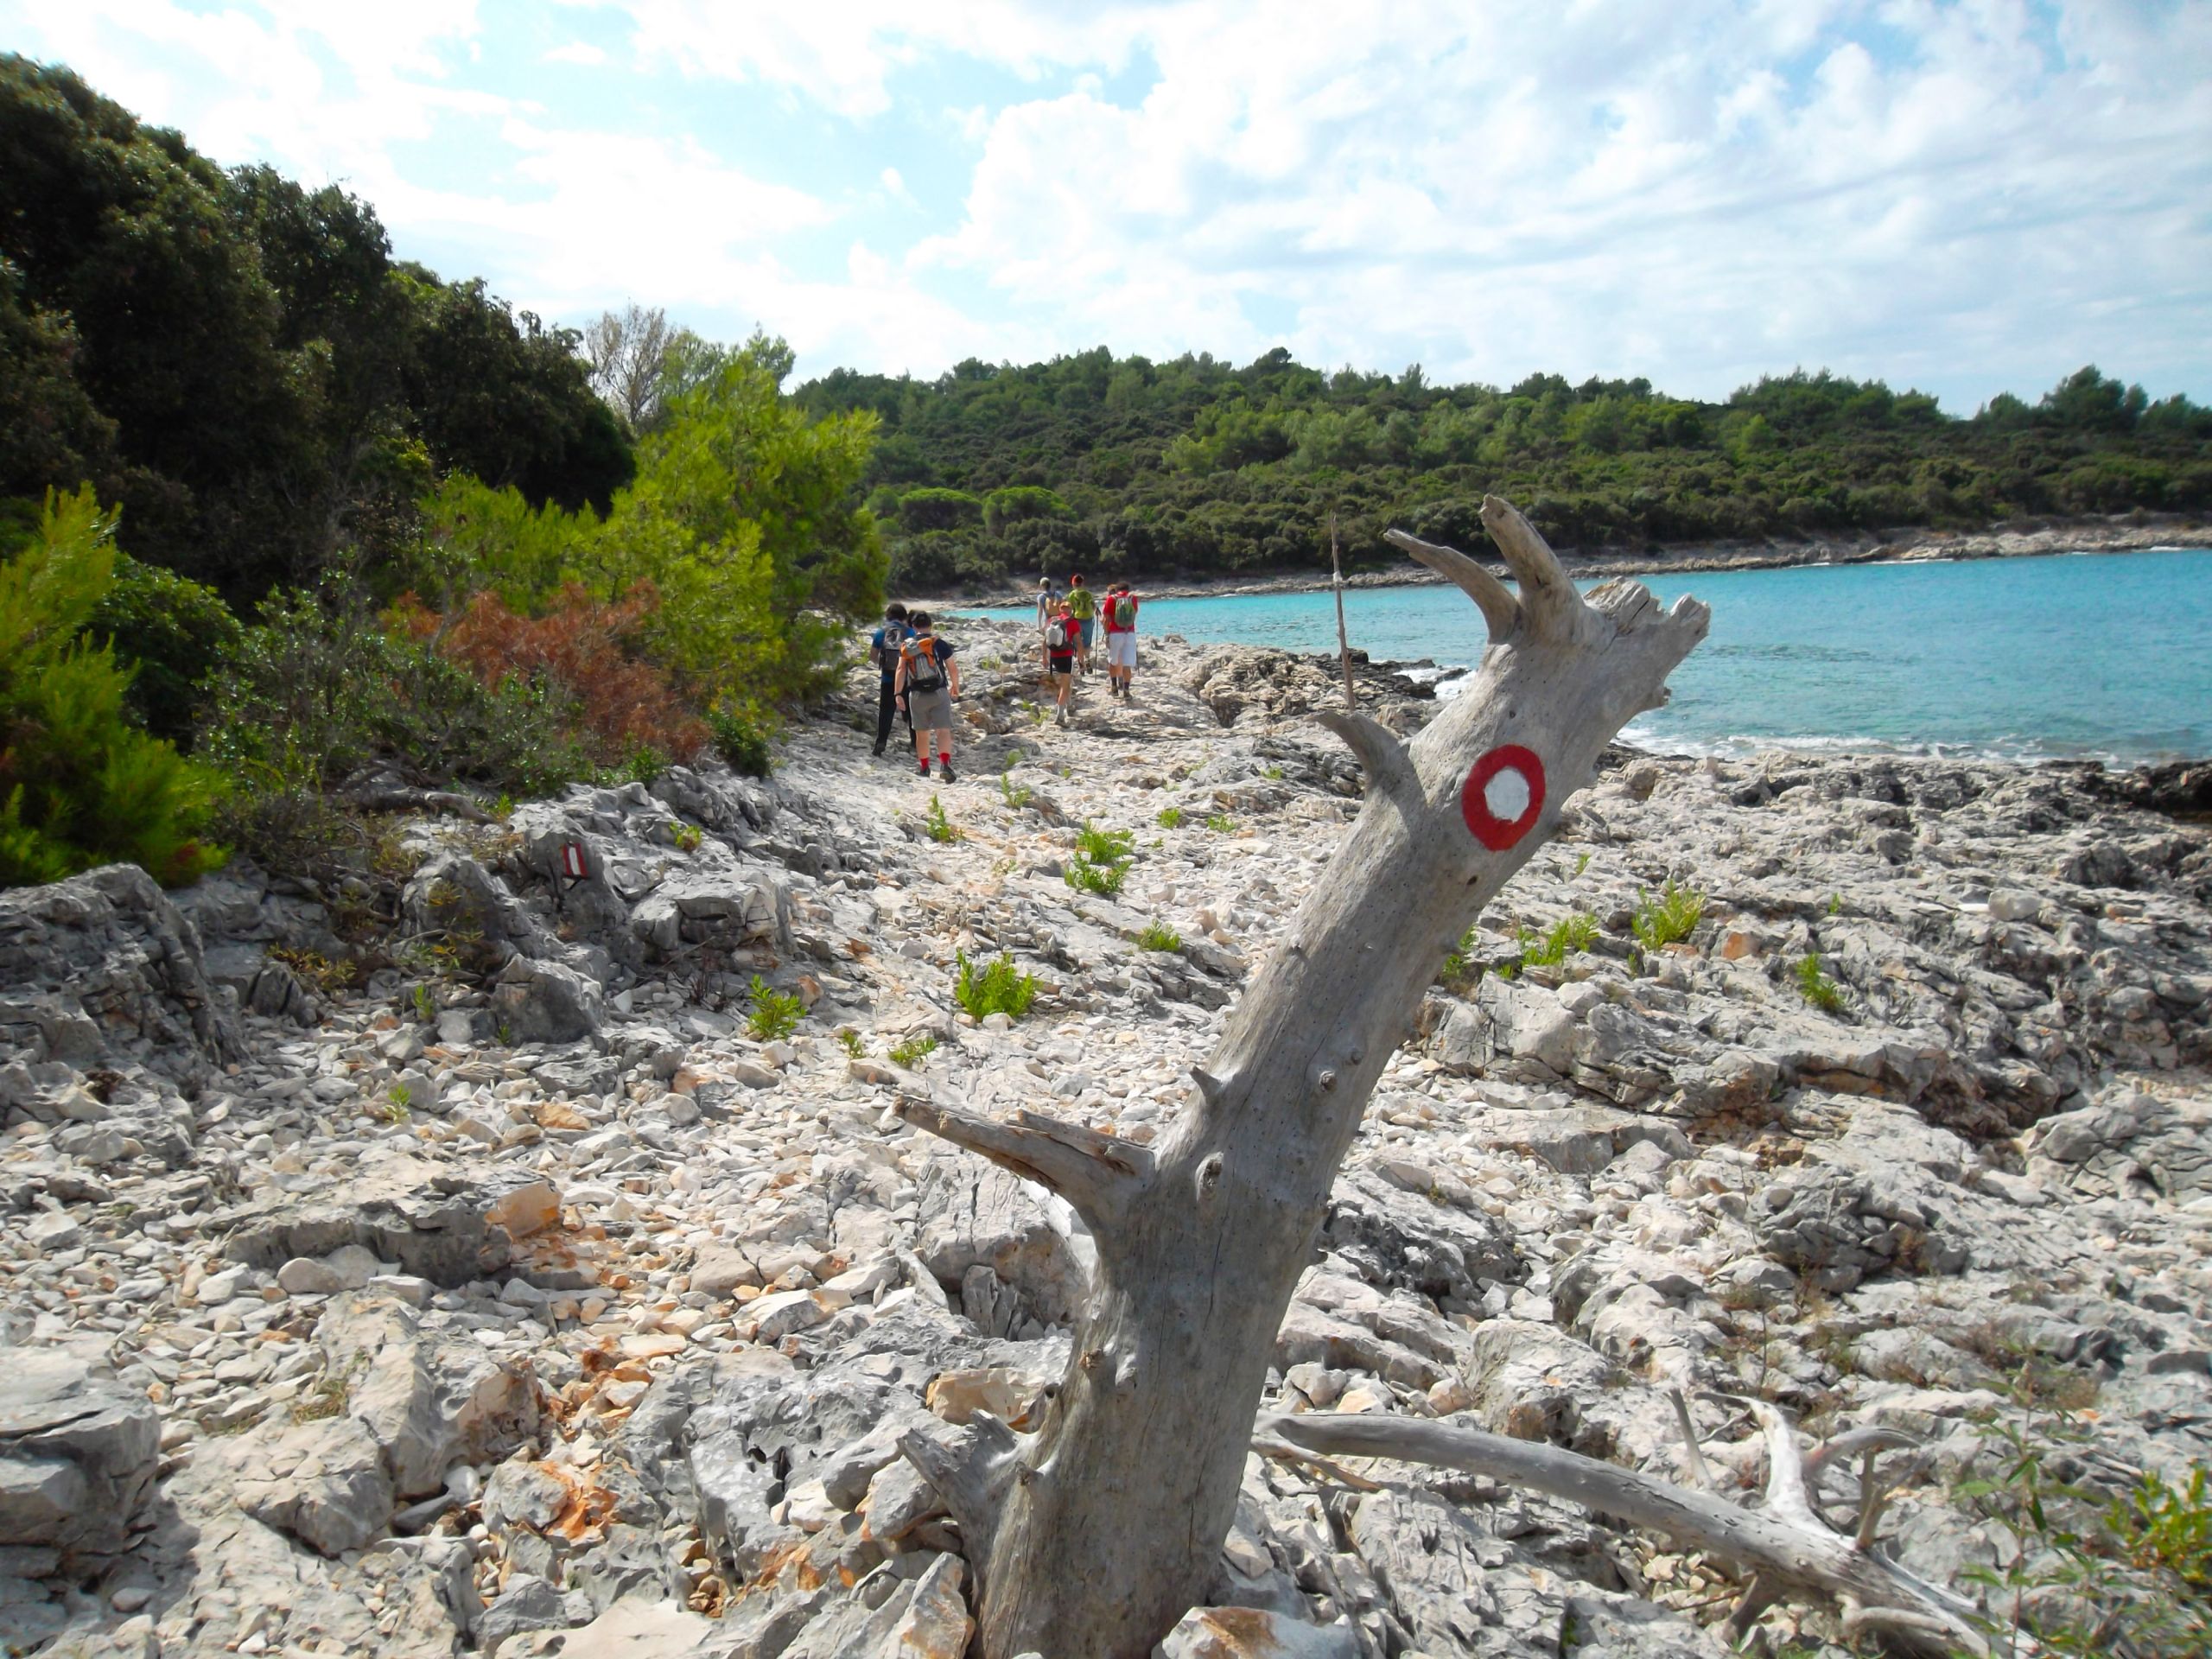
451 1256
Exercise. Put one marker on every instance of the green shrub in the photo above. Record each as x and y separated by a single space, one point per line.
1016 796
1104 845
998 987
2076 1569
1571 933
937 826
79 783
775 1013
689 838
1170 817
849 1041
320 688
1102 859
912 1053
741 739
1671 916
1816 987
1221 823
1157 936
1461 967
174 633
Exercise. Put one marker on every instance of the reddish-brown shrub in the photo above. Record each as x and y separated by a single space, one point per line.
619 703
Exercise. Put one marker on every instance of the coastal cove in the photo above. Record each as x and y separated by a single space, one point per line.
2051 656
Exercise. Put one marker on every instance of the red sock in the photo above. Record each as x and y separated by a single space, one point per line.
944 757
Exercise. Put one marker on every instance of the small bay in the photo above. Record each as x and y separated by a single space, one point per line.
2107 656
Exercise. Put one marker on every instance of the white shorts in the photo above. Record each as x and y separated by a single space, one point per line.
1122 650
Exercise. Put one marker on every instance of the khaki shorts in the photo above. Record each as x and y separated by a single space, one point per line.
931 711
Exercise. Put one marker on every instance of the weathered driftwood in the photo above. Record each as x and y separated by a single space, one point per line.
1785 1545
1091 1536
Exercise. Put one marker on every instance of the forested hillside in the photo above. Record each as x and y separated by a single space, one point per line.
1126 465
290 529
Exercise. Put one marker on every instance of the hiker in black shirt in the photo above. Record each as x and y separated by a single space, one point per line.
883 651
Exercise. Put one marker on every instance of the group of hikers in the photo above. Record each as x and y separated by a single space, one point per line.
920 678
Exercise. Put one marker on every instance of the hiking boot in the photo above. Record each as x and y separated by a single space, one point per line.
944 769
878 751
925 768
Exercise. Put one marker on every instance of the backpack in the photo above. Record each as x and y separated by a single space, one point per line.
1121 612
923 671
1059 633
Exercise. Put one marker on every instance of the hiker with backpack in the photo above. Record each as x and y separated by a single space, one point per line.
928 680
1083 605
1063 635
1121 640
883 651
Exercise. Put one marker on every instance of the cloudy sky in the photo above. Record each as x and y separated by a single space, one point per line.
1965 197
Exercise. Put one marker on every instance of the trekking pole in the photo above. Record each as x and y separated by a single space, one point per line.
1344 646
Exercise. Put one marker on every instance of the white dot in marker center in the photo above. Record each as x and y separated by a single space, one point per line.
1506 794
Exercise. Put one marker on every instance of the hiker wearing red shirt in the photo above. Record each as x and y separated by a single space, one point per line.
1120 612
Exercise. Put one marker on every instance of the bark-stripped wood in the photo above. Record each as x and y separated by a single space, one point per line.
1109 1521
1785 1545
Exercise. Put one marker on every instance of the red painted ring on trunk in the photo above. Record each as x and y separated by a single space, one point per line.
1495 833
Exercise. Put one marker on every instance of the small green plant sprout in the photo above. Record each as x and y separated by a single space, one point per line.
1102 859
937 826
426 1006
912 1053
504 807
1221 823
688 838
393 1109
849 1041
1016 796
1273 773
996 988
1835 903
1581 863
1569 934
1461 967
1157 936
1670 916
1815 986
988 661
506 1035
1170 817
775 1013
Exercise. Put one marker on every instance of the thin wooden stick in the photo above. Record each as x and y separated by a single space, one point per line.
1344 644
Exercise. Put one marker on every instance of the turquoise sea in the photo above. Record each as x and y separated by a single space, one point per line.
2102 655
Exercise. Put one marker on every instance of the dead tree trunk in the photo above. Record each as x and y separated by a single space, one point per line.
1091 1536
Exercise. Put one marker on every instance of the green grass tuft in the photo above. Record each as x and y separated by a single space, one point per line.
775 1013
997 988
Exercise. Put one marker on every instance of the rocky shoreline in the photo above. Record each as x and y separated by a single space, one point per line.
2123 535
518 1298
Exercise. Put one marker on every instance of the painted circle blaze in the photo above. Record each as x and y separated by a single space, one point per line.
1503 796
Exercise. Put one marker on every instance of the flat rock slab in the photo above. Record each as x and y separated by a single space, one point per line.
78 1455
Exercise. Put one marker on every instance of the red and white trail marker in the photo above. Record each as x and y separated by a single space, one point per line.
572 861
1503 796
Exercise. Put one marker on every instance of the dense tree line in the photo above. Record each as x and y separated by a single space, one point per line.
283 519
241 365
1194 466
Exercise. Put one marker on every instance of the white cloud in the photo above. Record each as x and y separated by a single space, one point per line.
1624 189
1969 195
